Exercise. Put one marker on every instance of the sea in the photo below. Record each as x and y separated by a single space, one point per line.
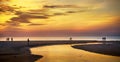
98 38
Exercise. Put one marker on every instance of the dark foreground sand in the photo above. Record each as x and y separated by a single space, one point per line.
107 49
19 58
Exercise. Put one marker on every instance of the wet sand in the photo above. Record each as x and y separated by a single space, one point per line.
105 48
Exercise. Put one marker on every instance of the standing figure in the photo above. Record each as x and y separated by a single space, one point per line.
104 38
70 38
11 39
7 39
28 41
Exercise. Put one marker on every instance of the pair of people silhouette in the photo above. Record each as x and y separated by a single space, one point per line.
9 39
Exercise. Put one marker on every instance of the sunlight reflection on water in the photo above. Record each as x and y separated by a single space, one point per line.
65 53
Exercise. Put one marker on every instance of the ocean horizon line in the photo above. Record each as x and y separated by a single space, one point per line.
108 38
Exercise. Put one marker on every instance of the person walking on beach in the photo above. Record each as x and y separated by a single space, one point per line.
104 38
28 41
7 39
11 39
70 38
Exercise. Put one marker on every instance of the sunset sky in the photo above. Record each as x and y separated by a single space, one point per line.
59 17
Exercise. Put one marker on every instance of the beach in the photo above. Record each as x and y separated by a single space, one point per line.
21 51
102 48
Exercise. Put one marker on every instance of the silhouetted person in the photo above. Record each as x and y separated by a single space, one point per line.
7 39
104 38
70 38
11 39
28 40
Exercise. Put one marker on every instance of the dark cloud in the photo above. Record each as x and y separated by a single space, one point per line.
65 9
71 12
55 14
48 10
36 16
35 13
19 19
27 16
12 23
44 13
61 6
78 11
24 17
38 11
18 12
33 24
5 7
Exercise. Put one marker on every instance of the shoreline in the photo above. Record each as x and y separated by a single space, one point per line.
23 48
112 49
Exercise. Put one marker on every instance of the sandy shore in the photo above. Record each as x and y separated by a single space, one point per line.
105 48
7 49
19 58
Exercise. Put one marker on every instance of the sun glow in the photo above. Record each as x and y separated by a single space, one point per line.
42 15
26 4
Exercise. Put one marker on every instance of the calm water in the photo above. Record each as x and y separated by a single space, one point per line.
64 38
65 53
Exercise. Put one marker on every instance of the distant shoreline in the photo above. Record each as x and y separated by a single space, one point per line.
49 42
98 38
58 40
105 48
